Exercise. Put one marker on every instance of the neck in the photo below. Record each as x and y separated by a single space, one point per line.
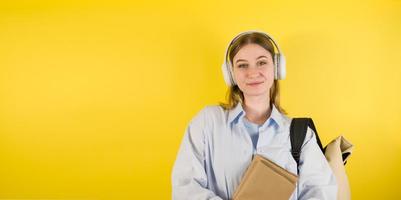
257 109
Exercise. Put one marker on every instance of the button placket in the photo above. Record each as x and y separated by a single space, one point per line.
248 138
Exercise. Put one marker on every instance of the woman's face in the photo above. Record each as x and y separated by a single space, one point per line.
253 70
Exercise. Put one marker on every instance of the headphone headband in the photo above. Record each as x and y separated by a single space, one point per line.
275 45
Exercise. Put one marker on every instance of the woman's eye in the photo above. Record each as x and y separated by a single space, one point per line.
262 63
241 66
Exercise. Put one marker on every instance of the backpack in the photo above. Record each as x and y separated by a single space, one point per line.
336 152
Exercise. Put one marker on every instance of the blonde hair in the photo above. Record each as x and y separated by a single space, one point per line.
234 94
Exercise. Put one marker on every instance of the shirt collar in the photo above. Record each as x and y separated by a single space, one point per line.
239 112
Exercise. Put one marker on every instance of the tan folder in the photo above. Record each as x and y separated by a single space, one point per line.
265 180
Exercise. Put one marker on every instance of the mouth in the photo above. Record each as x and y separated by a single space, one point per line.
255 83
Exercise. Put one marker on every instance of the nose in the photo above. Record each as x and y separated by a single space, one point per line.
252 72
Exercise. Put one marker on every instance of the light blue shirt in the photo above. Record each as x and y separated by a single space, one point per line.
217 148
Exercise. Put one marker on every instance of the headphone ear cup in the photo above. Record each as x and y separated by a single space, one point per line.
275 60
281 67
226 74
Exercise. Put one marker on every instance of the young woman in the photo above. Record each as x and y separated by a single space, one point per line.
221 140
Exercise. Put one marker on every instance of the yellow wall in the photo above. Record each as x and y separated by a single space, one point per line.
95 95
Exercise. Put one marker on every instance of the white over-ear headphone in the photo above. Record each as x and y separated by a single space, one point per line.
278 57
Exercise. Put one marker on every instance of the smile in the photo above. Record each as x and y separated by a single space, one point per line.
254 83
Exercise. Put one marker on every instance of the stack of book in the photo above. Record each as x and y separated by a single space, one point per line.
265 180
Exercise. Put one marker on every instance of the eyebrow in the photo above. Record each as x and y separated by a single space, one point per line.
245 60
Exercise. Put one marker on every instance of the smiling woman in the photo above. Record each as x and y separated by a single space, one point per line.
221 141
253 49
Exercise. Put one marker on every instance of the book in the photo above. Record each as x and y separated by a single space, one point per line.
264 180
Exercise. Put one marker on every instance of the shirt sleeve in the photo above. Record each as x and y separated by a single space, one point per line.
316 179
189 178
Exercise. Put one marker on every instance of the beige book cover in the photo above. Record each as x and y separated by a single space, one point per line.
265 180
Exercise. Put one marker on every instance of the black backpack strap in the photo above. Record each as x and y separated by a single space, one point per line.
298 129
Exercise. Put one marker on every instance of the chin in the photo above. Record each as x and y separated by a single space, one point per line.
256 93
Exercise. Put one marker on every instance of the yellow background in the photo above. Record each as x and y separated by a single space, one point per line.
95 95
